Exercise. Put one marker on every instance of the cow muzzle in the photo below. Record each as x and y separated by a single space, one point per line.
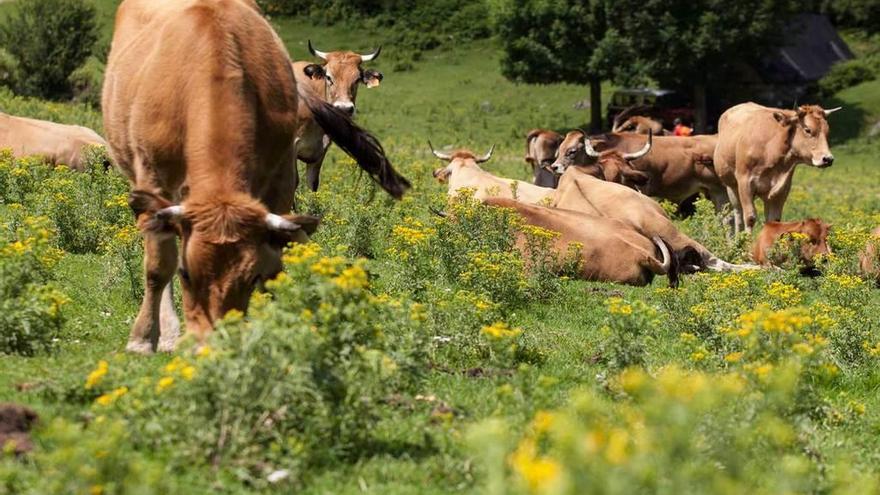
555 168
345 106
824 162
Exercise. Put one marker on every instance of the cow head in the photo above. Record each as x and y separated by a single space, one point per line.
343 73
230 244
610 165
456 160
541 148
808 131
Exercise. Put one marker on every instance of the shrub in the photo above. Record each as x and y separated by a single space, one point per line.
675 432
86 82
97 459
30 306
627 329
49 39
8 69
845 75
299 384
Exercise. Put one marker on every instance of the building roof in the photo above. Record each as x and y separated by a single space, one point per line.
815 46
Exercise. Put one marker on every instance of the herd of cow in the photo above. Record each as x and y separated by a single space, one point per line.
210 154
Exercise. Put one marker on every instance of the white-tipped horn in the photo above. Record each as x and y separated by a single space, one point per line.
667 258
318 53
372 56
588 147
831 110
438 154
171 213
278 223
642 152
485 158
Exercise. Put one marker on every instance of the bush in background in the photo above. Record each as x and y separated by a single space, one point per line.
86 82
845 75
49 39
8 69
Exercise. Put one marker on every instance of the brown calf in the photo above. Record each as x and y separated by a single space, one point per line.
816 243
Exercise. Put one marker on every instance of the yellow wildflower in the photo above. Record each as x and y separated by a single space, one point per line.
352 278
188 372
164 383
617 305
537 472
500 330
97 374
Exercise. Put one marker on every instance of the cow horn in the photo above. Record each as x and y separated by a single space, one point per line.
318 53
277 223
832 110
438 154
170 213
485 158
372 56
642 152
588 147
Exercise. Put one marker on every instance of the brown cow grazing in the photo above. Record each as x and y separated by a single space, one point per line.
57 143
610 165
209 152
581 191
464 172
758 148
640 125
541 146
336 81
612 251
816 242
678 167
868 259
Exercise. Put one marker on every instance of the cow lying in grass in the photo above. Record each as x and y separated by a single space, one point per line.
463 172
677 167
611 251
57 143
612 166
581 191
813 241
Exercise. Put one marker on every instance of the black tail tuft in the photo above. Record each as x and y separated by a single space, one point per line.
366 150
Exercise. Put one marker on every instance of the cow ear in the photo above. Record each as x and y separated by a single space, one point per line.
314 71
783 119
154 213
372 78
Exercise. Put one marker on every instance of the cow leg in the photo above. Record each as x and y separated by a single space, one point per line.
746 202
737 210
313 174
313 170
776 202
160 260
169 323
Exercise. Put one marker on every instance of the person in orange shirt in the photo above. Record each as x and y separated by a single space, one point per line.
680 129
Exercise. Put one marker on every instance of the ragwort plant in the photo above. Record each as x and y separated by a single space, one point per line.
297 385
677 431
31 314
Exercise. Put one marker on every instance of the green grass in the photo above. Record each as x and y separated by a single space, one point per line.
457 98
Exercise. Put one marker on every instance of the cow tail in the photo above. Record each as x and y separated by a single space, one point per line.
358 143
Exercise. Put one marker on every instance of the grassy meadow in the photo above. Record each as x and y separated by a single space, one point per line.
412 355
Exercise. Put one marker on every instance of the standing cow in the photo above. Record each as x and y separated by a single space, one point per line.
758 149
336 81
541 146
200 111
57 143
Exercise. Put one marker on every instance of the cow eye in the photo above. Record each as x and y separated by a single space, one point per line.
184 275
808 131
329 79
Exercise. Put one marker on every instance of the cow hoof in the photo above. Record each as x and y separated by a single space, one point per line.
139 347
168 344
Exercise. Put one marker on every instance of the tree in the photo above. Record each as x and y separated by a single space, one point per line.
693 44
548 41
49 39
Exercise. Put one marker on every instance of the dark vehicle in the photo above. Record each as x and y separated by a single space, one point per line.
663 105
